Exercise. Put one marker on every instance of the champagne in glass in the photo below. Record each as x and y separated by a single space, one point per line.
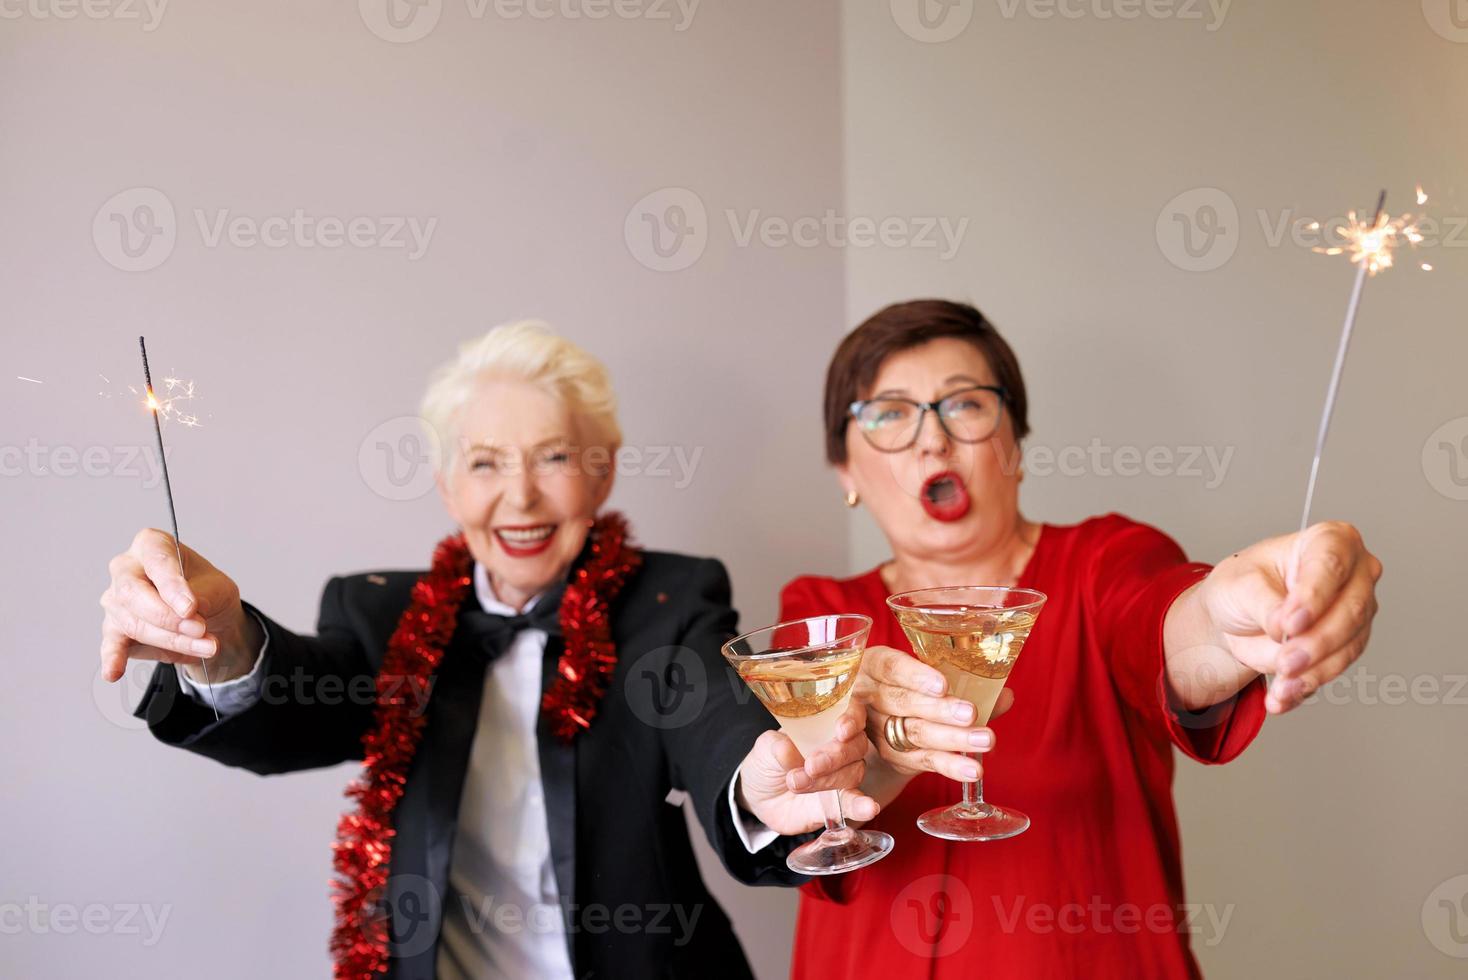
803 672
973 635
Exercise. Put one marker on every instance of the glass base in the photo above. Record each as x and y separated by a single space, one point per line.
839 851
982 821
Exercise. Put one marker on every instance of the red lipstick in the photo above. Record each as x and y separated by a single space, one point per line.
944 497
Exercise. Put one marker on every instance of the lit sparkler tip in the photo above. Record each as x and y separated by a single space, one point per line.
1427 267
1421 195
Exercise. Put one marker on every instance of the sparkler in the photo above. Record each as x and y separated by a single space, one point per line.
159 409
1370 247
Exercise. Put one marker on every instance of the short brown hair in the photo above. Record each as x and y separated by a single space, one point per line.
900 327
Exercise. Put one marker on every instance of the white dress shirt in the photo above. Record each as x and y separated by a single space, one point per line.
501 915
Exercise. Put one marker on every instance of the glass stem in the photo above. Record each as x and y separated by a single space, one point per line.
831 810
973 793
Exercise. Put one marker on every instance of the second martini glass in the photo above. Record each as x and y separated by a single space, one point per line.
972 635
803 672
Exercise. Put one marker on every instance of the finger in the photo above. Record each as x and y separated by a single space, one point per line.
1352 611
856 805
1287 693
1328 556
957 767
852 724
949 738
783 750
128 622
114 654
835 755
906 703
118 649
897 669
846 777
950 764
132 591
155 551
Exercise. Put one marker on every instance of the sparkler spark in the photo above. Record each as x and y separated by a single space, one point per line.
175 390
1370 243
21 377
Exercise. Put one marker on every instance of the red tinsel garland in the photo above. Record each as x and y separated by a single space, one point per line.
362 853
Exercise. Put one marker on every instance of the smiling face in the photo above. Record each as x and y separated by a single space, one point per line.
522 485
941 498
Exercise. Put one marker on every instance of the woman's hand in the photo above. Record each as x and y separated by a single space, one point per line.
778 785
153 613
893 682
1299 606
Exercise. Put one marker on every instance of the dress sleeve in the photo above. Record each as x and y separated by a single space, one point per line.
1135 574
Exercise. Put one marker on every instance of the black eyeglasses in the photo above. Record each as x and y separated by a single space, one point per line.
892 424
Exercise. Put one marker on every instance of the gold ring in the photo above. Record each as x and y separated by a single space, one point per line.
895 732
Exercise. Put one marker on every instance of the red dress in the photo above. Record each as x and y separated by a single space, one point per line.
1094 888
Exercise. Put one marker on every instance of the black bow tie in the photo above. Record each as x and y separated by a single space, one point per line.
493 633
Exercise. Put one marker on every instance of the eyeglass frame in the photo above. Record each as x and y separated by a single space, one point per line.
855 409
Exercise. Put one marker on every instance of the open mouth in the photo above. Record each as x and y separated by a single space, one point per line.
525 539
944 497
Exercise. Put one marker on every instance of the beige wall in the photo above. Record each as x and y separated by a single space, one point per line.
1064 141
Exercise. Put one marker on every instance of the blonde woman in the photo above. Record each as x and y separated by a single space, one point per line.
510 704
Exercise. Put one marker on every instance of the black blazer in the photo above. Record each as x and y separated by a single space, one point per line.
675 717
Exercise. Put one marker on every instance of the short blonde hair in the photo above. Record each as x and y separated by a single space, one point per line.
527 350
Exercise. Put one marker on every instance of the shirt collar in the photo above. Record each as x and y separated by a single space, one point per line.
490 602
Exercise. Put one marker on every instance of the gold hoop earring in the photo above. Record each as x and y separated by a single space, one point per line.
852 498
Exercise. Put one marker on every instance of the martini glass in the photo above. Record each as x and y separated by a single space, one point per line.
972 635
803 672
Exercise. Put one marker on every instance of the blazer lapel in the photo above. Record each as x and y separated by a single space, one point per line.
558 781
448 739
